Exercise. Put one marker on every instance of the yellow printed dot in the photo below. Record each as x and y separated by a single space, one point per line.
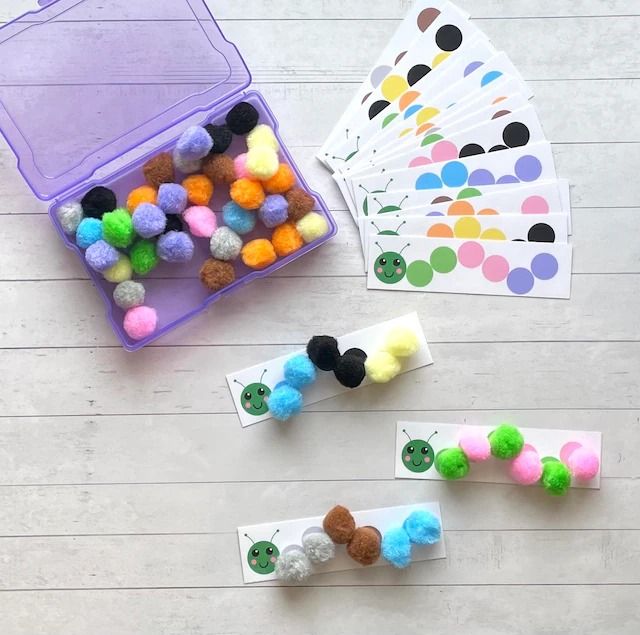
404 133
439 58
393 86
468 227
493 234
426 114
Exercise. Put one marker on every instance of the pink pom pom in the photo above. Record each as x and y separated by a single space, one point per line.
526 468
240 163
201 220
475 446
140 322
583 463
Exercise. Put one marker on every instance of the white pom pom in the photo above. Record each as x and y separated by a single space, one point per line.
293 565
318 546
69 215
186 166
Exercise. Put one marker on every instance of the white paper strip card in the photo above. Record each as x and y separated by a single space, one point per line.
261 545
417 444
485 267
250 388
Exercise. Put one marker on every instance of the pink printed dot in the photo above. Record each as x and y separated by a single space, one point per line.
407 458
247 405
444 151
418 161
254 562
398 271
427 459
495 268
535 205
471 254
273 559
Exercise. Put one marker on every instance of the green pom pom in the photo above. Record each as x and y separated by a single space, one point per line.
452 463
143 257
556 477
117 228
506 442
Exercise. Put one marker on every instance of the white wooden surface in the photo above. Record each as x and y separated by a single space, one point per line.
123 477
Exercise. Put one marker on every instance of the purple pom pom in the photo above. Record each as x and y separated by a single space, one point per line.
172 198
274 211
195 143
101 255
149 220
175 247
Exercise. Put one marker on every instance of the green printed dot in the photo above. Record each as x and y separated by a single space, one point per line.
468 192
443 260
419 273
388 119
429 139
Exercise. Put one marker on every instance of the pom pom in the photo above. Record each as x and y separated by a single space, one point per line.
300 203
293 565
556 477
221 137
262 136
312 227
284 402
323 351
117 228
143 257
364 546
402 342
240 166
274 211
225 244
423 527
242 118
172 198
143 194
318 546
475 446
184 165
506 442
120 272
195 143
69 217
382 367
246 193
339 525
174 224
452 463
262 162
129 294
238 219
217 274
98 201
350 370
175 246
89 231
149 220
583 463
220 169
258 254
526 468
282 181
299 371
101 255
158 170
201 220
199 189
286 239
140 322
396 547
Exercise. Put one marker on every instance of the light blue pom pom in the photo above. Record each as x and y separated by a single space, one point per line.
284 401
195 143
423 528
89 231
238 219
396 547
101 255
299 371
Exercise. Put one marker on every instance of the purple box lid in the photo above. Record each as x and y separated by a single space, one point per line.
67 109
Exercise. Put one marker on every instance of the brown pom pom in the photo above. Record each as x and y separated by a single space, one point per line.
219 168
300 203
216 274
159 170
364 546
339 525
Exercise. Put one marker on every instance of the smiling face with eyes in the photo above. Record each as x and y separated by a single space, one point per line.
254 398
417 455
262 557
390 267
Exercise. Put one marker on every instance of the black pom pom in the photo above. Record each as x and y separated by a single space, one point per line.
356 352
174 224
242 118
222 138
350 370
98 201
323 351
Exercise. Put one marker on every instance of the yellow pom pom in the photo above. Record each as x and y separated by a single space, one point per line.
382 367
263 135
402 342
312 226
120 272
262 162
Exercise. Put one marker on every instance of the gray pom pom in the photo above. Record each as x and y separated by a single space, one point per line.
186 166
293 565
225 244
129 294
318 547
69 217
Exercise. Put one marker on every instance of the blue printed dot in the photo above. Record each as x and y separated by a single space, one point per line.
428 181
544 266
489 77
528 168
481 177
507 178
435 214
520 281
472 67
412 110
454 174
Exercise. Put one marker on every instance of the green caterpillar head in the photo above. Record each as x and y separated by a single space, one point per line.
418 455
262 555
389 232
254 397
390 267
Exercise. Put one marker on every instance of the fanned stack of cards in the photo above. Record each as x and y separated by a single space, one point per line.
446 170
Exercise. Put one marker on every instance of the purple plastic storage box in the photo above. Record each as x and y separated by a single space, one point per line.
129 84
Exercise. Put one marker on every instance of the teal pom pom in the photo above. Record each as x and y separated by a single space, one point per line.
240 220
396 547
284 401
89 231
299 371
422 527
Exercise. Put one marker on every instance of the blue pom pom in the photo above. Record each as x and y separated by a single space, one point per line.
274 211
284 401
299 371
175 247
149 220
89 231
238 219
172 198
396 547
422 527
195 143
101 255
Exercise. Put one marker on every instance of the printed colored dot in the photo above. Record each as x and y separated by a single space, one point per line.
468 192
429 139
440 230
471 150
471 254
520 281
544 266
528 168
438 59
425 127
495 268
443 259
481 177
254 562
427 459
418 161
428 181
272 559
489 77
541 233
435 214
507 178
407 458
407 99
500 113
441 199
448 37
493 234
377 107
516 134
454 174
497 148
247 405
426 114
416 73
399 271
461 208
393 86
378 74
468 227
412 110
472 67
487 211
379 269
419 273
426 18
444 151
404 133
535 205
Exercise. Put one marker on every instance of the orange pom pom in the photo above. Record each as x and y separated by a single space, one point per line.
286 239
282 181
144 194
258 254
247 193
199 189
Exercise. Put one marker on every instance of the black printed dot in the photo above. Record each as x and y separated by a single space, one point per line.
416 73
497 148
470 150
448 37
518 240
516 134
441 199
541 233
377 107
